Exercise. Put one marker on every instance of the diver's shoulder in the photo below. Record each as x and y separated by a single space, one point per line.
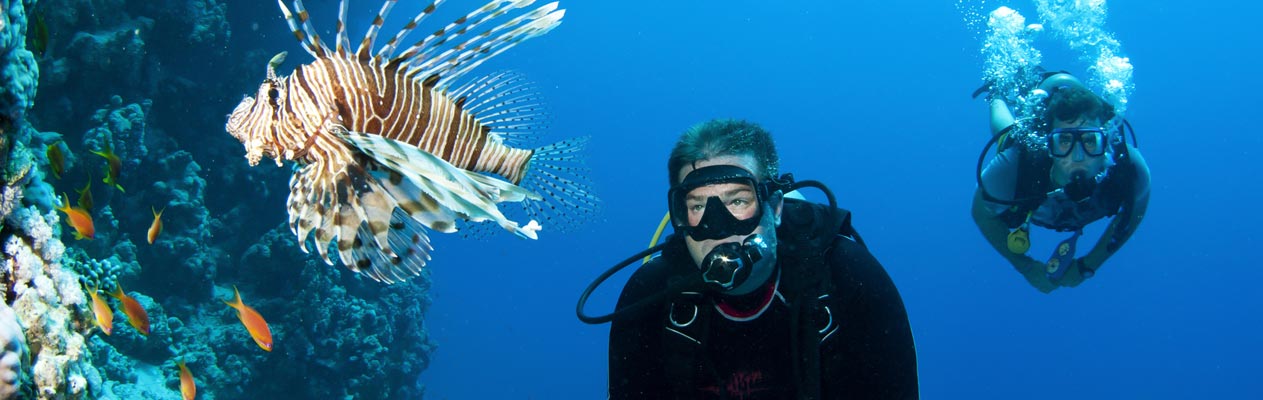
1137 158
846 250
853 264
1140 172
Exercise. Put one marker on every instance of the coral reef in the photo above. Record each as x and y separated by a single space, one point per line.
349 336
185 245
48 300
148 78
122 128
43 296
19 73
12 349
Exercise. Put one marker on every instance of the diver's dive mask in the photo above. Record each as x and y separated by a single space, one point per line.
1061 141
717 202
1092 142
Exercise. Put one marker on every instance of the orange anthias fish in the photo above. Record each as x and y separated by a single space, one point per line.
188 388
104 317
136 314
113 166
79 219
56 160
156 227
85 195
254 322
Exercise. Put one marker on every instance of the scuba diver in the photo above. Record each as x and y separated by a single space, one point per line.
755 296
1070 168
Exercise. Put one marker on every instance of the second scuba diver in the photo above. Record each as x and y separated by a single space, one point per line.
1071 168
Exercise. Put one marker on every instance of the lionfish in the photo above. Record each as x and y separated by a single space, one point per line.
385 144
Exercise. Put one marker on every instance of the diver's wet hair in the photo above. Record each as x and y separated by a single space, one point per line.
1073 102
724 137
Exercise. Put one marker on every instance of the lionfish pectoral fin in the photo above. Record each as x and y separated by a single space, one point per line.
308 208
502 191
454 192
362 217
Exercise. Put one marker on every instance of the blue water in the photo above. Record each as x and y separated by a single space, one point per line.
872 98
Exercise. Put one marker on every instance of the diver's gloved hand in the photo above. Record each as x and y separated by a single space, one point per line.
1035 273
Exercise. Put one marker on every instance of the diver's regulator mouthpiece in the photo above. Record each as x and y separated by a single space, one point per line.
728 265
1081 186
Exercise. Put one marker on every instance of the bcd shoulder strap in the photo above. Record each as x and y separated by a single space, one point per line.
1033 184
807 232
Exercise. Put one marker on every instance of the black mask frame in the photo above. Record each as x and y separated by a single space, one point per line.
717 222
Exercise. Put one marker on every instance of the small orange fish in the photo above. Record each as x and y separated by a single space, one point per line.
136 314
79 219
85 195
113 166
253 322
156 227
56 159
188 388
104 317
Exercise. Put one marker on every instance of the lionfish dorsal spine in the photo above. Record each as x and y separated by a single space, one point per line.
342 41
420 60
418 51
387 50
532 24
299 24
366 45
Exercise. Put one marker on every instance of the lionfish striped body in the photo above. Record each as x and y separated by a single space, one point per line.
385 145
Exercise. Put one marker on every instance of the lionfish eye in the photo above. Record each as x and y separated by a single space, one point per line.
273 95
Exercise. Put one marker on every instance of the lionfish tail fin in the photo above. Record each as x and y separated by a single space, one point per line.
368 227
558 174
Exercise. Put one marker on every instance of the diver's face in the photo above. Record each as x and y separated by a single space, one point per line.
1064 167
741 200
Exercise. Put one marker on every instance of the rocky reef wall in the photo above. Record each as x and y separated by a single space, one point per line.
151 82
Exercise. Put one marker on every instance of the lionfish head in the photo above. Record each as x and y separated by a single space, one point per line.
252 121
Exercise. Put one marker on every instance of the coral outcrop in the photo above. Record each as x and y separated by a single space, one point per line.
19 73
48 300
12 351
147 80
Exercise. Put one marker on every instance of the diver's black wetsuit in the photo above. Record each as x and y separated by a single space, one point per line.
662 352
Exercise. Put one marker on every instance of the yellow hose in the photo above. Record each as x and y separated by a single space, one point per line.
658 233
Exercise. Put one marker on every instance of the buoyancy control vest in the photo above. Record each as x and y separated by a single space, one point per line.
805 236
1115 192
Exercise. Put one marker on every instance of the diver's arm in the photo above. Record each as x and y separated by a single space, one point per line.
1001 117
997 234
1102 251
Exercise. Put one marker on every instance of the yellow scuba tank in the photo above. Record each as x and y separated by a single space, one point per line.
1020 239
